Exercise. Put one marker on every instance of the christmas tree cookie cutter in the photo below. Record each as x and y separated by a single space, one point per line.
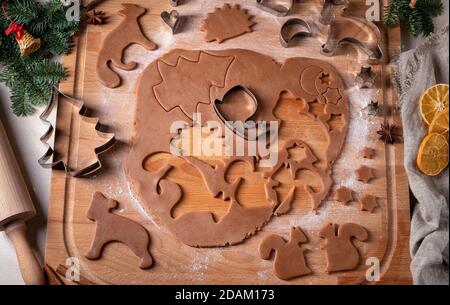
50 158
345 28
279 8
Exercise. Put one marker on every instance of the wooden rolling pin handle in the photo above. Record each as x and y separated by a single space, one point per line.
29 266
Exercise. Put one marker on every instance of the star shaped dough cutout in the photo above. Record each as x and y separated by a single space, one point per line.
332 95
364 174
368 203
344 195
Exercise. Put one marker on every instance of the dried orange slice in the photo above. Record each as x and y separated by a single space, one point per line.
440 124
433 101
432 157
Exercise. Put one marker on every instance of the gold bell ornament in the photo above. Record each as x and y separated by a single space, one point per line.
27 43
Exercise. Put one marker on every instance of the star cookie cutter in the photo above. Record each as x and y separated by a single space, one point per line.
278 8
345 28
253 107
175 3
172 20
294 28
48 159
365 77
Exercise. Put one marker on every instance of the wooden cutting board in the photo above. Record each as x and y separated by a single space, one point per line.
70 232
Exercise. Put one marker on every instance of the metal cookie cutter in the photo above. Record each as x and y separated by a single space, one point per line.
329 9
242 131
294 28
278 8
175 2
49 159
172 20
365 78
344 28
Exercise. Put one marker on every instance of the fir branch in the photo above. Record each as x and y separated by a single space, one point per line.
418 18
31 78
433 7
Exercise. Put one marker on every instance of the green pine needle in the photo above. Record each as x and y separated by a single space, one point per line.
418 19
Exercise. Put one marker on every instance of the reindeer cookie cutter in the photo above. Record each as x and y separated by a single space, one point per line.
279 8
49 159
292 29
172 20
345 28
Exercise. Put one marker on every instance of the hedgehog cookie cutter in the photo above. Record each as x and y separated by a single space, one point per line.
50 158
293 29
279 8
346 28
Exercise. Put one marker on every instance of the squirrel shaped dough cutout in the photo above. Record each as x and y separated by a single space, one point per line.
289 256
341 254
127 33
110 227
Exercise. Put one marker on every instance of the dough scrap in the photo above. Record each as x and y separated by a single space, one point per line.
368 203
364 174
344 195
289 255
307 163
127 33
214 176
285 205
341 254
267 79
226 22
110 227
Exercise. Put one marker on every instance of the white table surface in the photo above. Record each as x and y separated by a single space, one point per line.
24 133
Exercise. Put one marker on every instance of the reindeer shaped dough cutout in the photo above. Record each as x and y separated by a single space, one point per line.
110 227
127 33
289 256
341 254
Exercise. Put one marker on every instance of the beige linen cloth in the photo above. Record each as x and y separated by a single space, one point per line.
416 70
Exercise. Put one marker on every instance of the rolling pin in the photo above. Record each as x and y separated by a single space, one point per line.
16 208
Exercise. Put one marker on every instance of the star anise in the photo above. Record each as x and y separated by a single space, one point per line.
387 133
95 17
